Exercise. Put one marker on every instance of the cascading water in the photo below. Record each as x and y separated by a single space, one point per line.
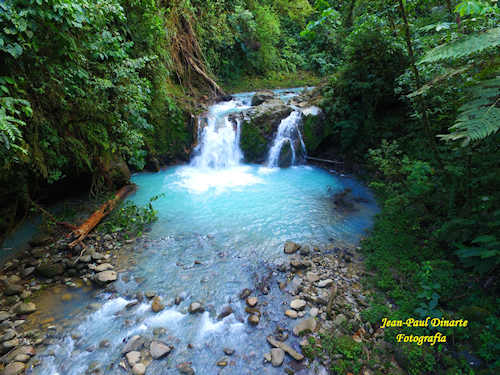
219 140
288 135
221 226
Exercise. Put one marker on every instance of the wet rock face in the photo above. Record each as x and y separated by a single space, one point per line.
260 124
262 96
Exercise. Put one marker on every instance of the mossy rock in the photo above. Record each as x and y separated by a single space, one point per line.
253 144
313 132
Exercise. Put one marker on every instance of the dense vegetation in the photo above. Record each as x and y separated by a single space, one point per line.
410 90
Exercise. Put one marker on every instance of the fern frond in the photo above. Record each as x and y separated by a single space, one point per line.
469 45
480 117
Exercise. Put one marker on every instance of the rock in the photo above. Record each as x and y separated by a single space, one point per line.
157 304
314 312
286 348
228 351
185 368
97 256
159 349
259 126
135 343
298 304
28 271
312 277
149 294
195 307
8 334
291 314
104 344
50 270
22 358
139 369
25 308
254 319
103 267
105 277
277 357
285 159
305 326
252 301
340 319
85 259
245 293
305 250
117 171
9 344
324 283
222 362
226 311
40 240
133 357
291 247
262 96
14 368
4 315
13 289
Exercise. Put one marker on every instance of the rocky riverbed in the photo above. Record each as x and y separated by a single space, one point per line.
321 289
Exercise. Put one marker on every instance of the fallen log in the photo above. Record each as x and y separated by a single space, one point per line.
83 230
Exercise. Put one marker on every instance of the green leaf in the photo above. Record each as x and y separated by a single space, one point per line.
463 47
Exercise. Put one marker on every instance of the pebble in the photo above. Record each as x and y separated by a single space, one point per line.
252 301
324 283
291 314
253 319
157 304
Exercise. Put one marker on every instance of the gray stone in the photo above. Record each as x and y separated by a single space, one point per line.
25 308
262 96
103 267
105 277
8 334
324 283
135 343
195 307
286 348
159 349
277 357
185 369
298 304
4 315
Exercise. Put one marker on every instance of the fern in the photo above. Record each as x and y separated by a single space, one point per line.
467 46
479 117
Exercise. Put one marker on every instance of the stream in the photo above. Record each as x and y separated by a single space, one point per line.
221 228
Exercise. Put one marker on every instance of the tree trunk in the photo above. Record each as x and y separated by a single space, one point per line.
418 83
83 230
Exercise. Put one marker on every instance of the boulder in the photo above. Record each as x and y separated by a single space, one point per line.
50 270
285 159
133 357
262 96
116 170
135 343
13 289
139 369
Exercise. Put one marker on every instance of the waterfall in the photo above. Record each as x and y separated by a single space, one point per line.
219 139
288 134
